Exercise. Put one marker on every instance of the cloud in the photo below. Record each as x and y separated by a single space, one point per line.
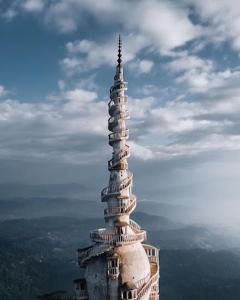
158 19
222 18
33 5
140 152
85 55
23 6
63 129
198 74
155 21
156 29
141 66
72 127
3 91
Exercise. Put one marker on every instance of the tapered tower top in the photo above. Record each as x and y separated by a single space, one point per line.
118 266
119 50
119 68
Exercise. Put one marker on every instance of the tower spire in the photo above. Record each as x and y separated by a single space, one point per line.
118 266
119 67
119 50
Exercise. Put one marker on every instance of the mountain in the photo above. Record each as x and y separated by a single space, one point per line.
36 207
19 190
34 251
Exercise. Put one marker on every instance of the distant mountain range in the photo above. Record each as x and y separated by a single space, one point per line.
34 251
41 229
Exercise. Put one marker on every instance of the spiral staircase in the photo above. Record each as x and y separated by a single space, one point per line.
120 229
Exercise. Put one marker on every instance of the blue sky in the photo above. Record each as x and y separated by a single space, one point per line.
181 60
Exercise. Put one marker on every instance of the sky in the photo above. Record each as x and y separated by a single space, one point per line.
181 61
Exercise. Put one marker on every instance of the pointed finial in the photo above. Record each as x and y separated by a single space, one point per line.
119 50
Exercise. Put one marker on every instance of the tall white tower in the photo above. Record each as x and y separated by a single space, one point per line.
117 264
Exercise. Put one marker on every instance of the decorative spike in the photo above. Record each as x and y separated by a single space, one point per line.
119 51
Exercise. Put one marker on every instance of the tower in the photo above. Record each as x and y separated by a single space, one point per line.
117 264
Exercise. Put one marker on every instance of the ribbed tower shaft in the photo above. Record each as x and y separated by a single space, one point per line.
118 266
118 195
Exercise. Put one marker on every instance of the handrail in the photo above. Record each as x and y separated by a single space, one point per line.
116 108
96 250
142 281
119 210
117 100
142 291
118 136
124 153
134 225
116 188
117 239
114 120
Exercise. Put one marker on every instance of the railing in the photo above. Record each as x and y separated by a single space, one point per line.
117 100
116 188
113 272
154 296
153 280
153 259
115 89
142 281
96 250
124 153
115 109
117 239
119 210
114 120
118 136
80 295
134 225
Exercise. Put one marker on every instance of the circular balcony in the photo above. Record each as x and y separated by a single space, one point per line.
102 236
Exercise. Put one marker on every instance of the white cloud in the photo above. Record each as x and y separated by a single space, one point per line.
141 66
186 62
62 129
158 19
3 91
140 152
200 75
164 25
72 126
84 54
61 84
153 21
158 22
222 18
33 5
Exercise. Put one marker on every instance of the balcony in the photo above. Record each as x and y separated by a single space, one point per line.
135 226
101 235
